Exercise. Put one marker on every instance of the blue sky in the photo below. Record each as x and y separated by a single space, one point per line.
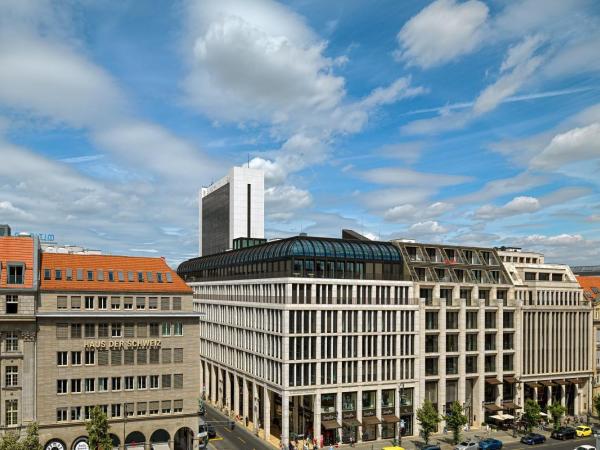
470 122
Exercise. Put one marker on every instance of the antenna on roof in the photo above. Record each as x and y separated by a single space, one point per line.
248 160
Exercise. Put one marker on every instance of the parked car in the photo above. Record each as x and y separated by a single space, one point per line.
533 438
490 444
583 430
585 447
564 433
210 428
467 445
431 447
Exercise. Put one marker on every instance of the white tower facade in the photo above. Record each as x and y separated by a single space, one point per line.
232 208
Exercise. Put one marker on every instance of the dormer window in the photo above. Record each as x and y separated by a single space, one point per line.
140 277
111 275
159 277
47 274
90 275
149 277
58 274
16 274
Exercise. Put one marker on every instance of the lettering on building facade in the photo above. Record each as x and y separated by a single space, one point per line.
125 344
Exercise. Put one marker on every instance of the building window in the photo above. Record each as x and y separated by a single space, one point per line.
75 358
153 408
153 303
142 382
12 341
61 358
508 319
102 302
115 384
76 386
128 303
490 363
89 302
159 277
431 366
472 320
90 275
154 330
75 302
177 355
128 383
165 407
75 413
15 274
90 385
508 341
471 342
452 342
129 410
431 343
11 376
115 410
12 412
111 275
166 381
103 384
47 274
102 330
140 277
154 381
89 330
140 303
115 303
177 406
166 329
12 304
62 386
61 302
177 329
61 414
141 408
471 364
90 357
116 330
431 320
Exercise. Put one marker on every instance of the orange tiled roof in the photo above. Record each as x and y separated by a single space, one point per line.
19 250
119 266
590 286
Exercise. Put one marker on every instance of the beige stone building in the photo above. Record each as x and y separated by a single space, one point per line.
86 330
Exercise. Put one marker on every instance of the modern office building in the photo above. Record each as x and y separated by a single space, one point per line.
232 209
557 339
591 291
345 338
18 294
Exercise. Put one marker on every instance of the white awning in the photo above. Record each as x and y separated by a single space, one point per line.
508 416
543 414
497 417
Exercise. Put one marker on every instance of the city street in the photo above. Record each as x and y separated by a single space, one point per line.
554 444
236 439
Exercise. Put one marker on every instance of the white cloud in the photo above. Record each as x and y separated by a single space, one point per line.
383 199
408 152
564 239
401 88
282 202
503 186
409 212
441 32
8 210
256 61
577 144
518 205
427 227
521 63
402 177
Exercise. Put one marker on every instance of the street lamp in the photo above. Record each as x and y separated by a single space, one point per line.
124 422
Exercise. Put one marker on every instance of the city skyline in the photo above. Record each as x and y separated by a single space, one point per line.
394 121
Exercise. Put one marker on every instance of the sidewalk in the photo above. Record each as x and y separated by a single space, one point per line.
443 440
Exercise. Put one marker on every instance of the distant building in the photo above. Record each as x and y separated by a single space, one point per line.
230 209
586 270
68 249
591 291
4 230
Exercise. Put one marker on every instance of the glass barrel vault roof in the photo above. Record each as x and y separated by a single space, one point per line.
297 247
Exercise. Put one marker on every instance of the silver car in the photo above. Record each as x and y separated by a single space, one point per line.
467 445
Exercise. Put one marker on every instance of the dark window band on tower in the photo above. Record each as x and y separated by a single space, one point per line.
249 209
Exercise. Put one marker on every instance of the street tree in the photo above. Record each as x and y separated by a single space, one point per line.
10 441
557 411
429 419
98 430
31 441
455 420
597 404
531 414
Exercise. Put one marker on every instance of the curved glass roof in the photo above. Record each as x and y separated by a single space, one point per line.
298 246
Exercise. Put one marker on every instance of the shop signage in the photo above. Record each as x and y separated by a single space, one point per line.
55 445
134 343
368 412
349 415
328 416
81 444
388 411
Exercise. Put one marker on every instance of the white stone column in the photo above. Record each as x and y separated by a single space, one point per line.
285 418
227 385
577 400
359 414
296 414
442 353
267 413
562 395
462 326
317 416
236 395
245 400
338 408
378 414
255 407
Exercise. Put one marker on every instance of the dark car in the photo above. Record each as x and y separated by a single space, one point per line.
563 433
490 444
212 433
431 447
533 438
